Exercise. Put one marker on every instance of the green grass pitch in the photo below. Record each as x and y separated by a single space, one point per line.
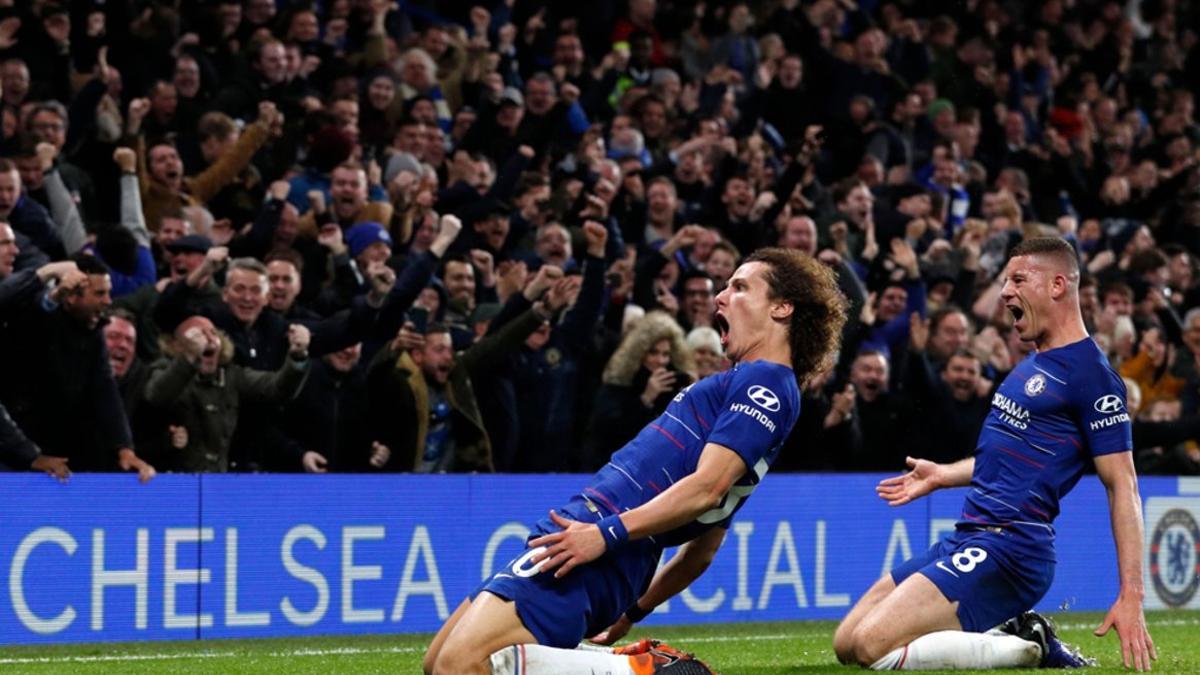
753 648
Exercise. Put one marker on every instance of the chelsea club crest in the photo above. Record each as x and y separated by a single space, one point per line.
1035 385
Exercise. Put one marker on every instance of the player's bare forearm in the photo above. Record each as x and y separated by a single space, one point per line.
690 497
680 571
675 507
924 477
1126 615
957 474
1125 506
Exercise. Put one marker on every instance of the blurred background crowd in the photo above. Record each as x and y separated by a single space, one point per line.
479 235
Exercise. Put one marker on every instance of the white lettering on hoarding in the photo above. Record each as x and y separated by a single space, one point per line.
309 575
423 547
897 543
232 616
826 599
420 575
783 546
742 529
352 573
138 577
175 576
938 526
702 605
16 580
510 530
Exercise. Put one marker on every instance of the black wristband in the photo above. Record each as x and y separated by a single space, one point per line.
636 614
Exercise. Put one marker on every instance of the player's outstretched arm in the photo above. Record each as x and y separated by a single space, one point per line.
686 566
689 498
924 477
1117 473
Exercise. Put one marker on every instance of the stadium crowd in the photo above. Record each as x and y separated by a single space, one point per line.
470 235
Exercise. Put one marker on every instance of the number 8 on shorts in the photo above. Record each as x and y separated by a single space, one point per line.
966 559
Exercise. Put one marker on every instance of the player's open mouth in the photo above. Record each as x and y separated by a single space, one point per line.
1016 311
722 326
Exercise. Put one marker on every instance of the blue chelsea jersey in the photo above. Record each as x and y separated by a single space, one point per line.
1054 412
749 409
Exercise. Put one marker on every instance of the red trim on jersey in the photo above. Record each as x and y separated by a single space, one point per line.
1021 457
666 433
1056 438
607 502
1036 510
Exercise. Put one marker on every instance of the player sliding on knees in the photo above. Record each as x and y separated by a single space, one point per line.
1058 411
589 569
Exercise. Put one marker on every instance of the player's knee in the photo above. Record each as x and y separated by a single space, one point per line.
868 643
845 653
843 647
450 662
865 654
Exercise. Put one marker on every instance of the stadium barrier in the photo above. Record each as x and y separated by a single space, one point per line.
238 556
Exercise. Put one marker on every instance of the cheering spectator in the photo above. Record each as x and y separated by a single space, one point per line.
652 364
197 378
160 169
55 360
422 408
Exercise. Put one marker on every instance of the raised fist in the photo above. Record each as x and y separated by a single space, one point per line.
597 237
46 153
125 159
298 339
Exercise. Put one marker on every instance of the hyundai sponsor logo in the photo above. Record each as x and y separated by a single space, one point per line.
1109 404
763 398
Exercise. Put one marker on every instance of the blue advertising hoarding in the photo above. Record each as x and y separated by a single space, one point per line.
235 556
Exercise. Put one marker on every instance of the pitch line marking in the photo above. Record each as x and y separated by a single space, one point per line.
354 651
106 658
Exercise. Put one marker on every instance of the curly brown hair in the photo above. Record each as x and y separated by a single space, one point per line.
818 307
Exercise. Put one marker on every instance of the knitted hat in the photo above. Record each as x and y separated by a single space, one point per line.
359 237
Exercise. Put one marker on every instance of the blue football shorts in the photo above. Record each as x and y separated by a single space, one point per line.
981 571
562 612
